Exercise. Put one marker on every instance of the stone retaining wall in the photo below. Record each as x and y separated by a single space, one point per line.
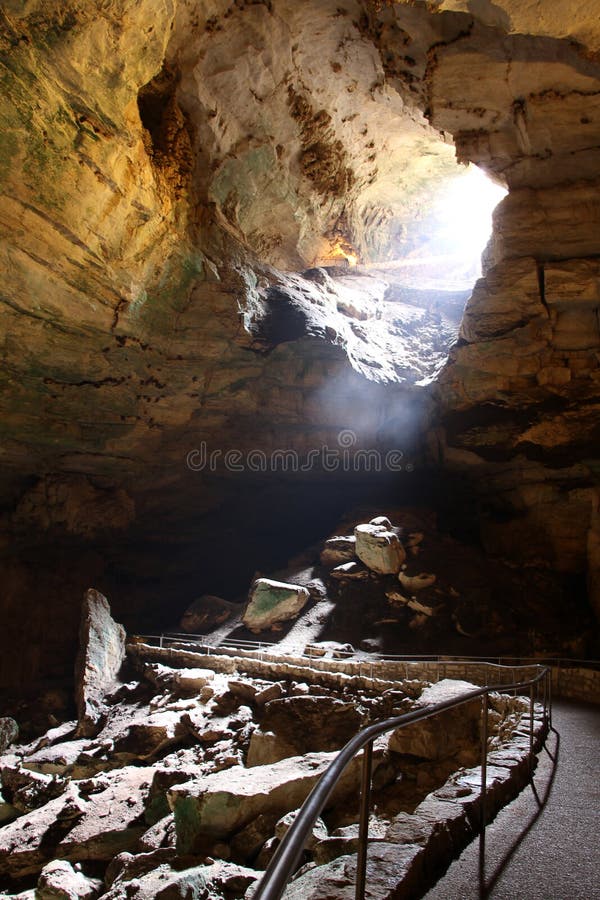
575 683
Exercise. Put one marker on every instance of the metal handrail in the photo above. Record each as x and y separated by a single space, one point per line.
287 855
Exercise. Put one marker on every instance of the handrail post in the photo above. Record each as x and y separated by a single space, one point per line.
482 824
545 695
484 740
530 732
363 831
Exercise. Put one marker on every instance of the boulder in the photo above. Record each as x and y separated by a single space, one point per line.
218 881
448 822
344 841
221 804
59 759
247 843
243 688
128 867
270 692
443 735
146 735
313 723
193 681
271 603
338 550
166 774
9 732
353 571
27 790
266 748
333 649
396 599
381 522
101 654
160 835
420 608
181 681
319 830
263 860
371 645
394 872
412 583
59 881
379 549
316 589
31 840
206 613
112 817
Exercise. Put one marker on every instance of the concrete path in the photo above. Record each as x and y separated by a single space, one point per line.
557 847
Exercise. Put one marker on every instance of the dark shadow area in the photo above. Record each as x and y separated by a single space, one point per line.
486 886
171 556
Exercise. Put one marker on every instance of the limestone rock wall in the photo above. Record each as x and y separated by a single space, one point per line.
519 396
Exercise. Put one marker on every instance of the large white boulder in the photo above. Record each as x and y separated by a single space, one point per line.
271 603
379 548
100 657
212 809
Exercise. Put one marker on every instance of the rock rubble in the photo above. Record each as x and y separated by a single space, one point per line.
195 773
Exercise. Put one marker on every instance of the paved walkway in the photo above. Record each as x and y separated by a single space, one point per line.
557 856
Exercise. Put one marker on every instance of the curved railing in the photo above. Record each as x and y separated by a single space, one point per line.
206 643
288 853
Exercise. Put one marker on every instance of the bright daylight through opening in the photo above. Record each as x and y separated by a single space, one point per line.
464 211
451 236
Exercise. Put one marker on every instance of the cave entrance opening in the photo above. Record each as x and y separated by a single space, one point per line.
401 290
449 239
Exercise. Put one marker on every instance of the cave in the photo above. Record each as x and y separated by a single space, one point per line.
227 230
271 269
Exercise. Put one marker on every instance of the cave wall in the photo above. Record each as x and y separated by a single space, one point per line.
167 167
519 396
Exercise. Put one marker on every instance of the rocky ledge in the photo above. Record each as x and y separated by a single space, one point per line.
192 767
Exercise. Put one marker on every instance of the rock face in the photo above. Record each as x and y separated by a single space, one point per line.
113 819
101 654
518 399
271 603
